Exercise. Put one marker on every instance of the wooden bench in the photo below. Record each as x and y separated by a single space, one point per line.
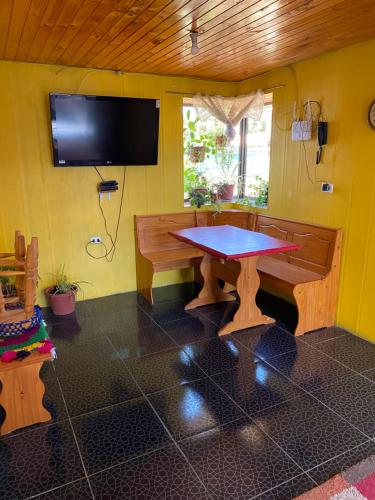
308 276
156 250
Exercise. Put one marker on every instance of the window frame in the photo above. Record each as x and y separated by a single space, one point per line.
242 154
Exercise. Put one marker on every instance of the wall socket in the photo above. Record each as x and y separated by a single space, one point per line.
95 239
326 187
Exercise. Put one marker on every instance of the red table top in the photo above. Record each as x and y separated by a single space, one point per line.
230 242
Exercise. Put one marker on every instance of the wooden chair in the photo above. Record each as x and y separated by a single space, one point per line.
19 256
25 270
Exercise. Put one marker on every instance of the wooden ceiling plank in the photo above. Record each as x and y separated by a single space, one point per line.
115 50
266 35
176 31
292 45
48 20
331 44
5 15
156 39
138 29
64 20
211 26
127 18
32 23
305 34
17 23
107 14
83 16
255 25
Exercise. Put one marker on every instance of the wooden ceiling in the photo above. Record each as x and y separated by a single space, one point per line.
238 38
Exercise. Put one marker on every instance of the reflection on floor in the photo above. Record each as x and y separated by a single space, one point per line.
148 402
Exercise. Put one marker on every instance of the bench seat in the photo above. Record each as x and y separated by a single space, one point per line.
181 258
285 271
308 277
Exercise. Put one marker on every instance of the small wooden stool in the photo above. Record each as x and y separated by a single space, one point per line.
22 392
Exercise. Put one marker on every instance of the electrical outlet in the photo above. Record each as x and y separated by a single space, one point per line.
95 239
326 187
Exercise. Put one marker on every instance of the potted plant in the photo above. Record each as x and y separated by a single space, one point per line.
199 143
200 193
228 176
61 296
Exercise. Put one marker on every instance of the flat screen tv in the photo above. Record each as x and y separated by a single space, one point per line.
100 130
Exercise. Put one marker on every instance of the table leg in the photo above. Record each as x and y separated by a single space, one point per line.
22 397
211 291
248 313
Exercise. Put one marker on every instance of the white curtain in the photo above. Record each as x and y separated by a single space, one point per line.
230 110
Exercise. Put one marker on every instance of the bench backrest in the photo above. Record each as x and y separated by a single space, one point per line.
152 231
238 218
318 244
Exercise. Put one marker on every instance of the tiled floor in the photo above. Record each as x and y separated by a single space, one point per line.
148 402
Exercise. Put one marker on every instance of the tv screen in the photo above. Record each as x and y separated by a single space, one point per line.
101 130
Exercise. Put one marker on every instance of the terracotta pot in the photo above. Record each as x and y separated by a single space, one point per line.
61 303
226 191
197 154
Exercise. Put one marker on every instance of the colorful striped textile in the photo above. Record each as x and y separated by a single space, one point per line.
356 483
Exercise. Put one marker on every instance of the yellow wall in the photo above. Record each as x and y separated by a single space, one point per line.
60 205
344 83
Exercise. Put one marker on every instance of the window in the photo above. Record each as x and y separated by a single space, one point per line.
217 169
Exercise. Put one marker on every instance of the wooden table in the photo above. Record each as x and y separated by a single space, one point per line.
231 254
22 392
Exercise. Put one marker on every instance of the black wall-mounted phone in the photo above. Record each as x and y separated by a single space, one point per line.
322 133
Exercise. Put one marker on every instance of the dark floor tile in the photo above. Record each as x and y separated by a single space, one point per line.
310 368
161 474
127 321
339 464
291 489
35 461
220 313
193 408
354 352
370 375
266 341
323 334
216 355
308 431
218 307
255 386
78 357
285 313
50 317
119 433
188 330
354 400
157 372
237 461
79 490
164 312
181 291
53 399
67 328
108 304
136 343
97 388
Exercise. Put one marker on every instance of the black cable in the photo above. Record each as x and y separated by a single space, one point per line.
316 181
109 254
93 256
100 175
